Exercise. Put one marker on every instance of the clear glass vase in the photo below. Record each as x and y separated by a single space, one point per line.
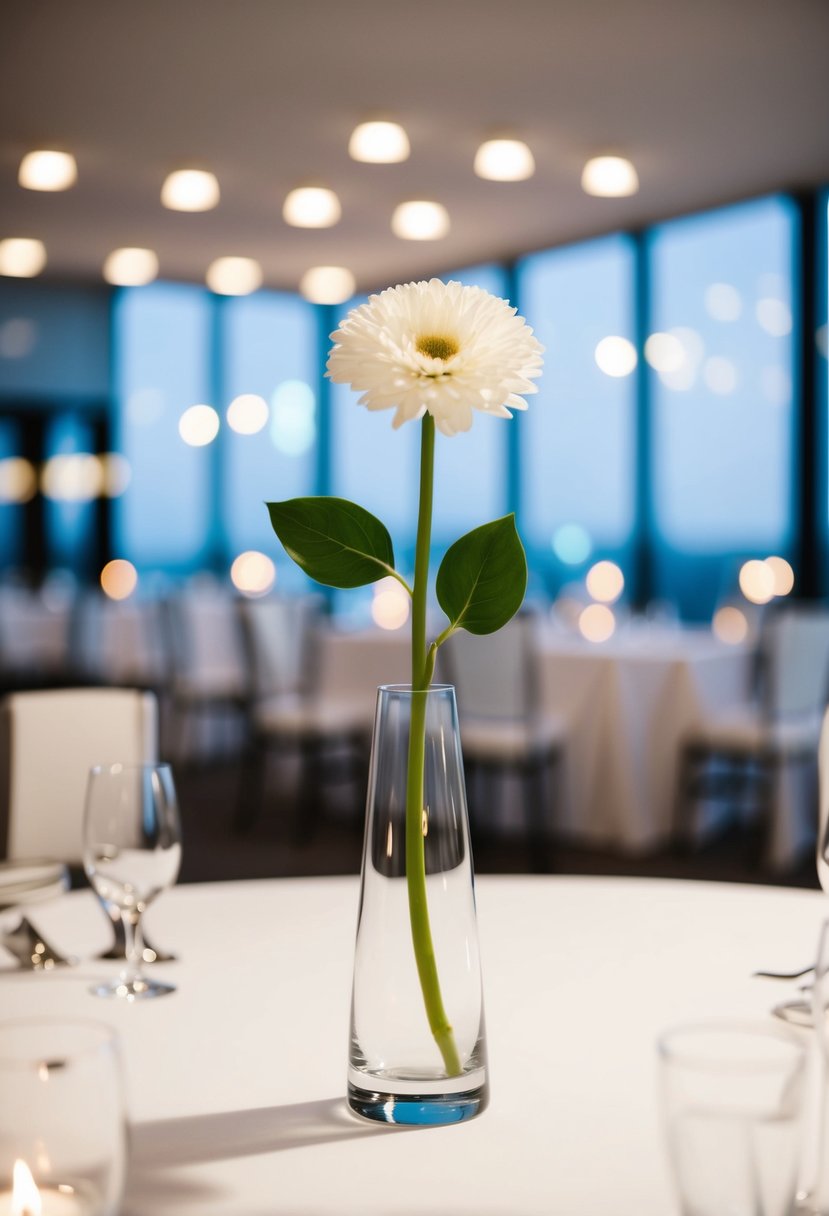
397 1071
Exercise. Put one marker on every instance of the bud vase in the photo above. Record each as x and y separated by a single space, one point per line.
397 1073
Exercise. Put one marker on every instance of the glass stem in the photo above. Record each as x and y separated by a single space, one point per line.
415 811
133 945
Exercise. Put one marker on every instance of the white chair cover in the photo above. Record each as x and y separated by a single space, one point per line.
49 740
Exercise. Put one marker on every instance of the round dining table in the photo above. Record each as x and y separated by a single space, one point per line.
236 1082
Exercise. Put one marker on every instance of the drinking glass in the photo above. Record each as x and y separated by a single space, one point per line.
132 852
63 1127
732 1100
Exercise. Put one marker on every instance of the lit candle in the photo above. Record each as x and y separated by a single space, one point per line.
27 1199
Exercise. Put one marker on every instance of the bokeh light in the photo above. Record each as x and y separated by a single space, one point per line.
757 581
615 356
730 625
774 316
379 142
327 284
47 170
311 207
597 623
605 582
119 578
420 220
72 477
190 190
609 177
116 474
572 544
131 267
18 337
234 276
720 375
198 425
247 414
293 426
18 480
22 257
504 160
723 302
390 604
253 573
782 573
665 352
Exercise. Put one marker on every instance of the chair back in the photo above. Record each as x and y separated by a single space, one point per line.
120 641
279 634
205 641
49 740
495 675
796 645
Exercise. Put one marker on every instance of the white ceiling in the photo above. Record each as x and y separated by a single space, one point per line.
712 99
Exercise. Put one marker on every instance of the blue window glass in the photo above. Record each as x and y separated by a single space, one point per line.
578 436
721 367
69 514
162 343
269 352
14 489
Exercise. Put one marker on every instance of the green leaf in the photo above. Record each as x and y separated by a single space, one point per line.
334 541
483 577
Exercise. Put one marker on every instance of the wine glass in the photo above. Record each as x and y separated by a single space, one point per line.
132 852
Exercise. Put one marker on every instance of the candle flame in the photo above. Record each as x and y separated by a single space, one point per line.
25 1195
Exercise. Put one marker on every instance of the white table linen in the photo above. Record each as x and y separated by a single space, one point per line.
236 1082
627 703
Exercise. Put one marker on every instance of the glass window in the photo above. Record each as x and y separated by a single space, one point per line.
162 336
16 488
71 505
578 436
270 373
721 368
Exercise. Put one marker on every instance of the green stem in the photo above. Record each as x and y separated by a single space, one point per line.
422 667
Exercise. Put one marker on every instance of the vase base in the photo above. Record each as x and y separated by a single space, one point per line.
417 1110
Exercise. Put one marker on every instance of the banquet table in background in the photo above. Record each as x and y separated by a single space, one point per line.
236 1081
627 703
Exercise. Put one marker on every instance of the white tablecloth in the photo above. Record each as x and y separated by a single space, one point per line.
627 703
236 1082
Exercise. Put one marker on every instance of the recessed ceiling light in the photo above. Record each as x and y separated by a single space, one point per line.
190 190
504 160
327 284
234 276
609 177
21 257
311 207
420 220
379 143
47 171
130 267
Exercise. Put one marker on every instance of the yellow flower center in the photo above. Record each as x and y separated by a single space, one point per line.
436 346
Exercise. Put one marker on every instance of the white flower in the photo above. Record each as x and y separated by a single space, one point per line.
439 347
